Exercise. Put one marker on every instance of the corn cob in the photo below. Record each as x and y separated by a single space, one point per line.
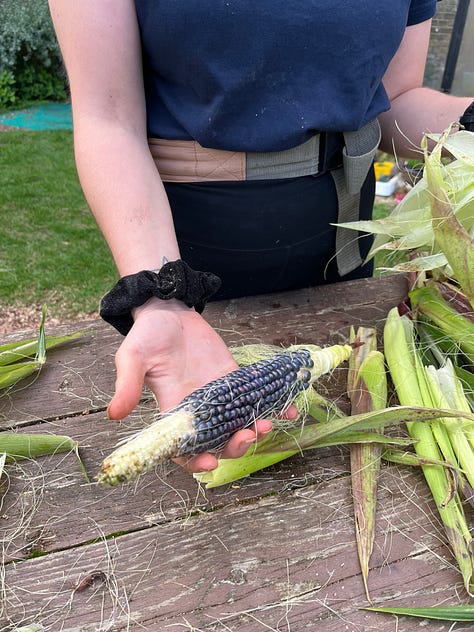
210 415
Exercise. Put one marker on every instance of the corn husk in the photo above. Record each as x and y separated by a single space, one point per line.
452 238
428 301
439 613
22 445
434 223
367 390
21 359
413 385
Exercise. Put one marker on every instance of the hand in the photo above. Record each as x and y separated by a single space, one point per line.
174 351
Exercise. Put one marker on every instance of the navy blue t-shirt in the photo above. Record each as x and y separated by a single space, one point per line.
264 75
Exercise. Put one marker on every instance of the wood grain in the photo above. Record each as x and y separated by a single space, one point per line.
275 551
287 561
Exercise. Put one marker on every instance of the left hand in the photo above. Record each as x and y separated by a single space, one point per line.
174 351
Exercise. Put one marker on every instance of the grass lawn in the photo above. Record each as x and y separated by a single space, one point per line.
51 251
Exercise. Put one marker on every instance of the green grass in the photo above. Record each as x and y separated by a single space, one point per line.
382 209
51 251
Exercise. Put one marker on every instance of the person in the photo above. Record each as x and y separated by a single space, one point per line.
214 133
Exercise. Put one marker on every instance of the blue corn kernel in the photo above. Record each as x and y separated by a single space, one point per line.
236 400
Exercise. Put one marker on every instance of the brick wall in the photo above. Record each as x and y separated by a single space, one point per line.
440 37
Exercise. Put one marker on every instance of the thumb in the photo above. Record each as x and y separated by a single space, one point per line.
128 386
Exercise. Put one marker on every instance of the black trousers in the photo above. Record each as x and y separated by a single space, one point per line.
265 235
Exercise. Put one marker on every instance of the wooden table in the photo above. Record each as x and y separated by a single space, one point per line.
275 551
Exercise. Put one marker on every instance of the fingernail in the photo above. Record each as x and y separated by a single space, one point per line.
208 468
246 444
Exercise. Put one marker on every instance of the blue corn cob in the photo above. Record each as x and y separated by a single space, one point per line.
210 415
236 400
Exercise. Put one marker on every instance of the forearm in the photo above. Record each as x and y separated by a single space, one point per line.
125 193
414 113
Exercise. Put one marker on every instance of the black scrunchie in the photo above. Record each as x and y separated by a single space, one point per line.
467 119
174 280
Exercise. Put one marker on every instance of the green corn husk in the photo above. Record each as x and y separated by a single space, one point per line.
439 613
452 238
19 351
367 390
281 445
22 445
17 446
434 223
428 301
11 374
395 455
21 359
433 442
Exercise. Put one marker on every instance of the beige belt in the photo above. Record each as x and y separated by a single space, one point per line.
188 161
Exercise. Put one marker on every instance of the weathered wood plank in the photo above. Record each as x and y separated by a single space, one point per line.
286 562
80 377
276 551
49 505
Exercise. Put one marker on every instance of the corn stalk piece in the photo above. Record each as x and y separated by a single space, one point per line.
207 418
367 390
428 301
409 378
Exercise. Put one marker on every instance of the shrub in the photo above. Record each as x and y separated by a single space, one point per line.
29 53
7 89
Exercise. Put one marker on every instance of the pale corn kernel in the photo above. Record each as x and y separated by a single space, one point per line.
151 445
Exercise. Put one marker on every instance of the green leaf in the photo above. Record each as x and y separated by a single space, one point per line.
22 445
16 351
452 237
10 375
440 613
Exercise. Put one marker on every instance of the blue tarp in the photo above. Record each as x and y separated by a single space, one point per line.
40 117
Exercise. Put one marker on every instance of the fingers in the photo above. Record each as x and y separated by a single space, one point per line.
236 447
200 463
291 412
128 385
241 441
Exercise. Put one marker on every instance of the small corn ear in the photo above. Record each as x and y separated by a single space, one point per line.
208 417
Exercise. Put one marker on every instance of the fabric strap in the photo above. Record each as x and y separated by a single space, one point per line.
357 155
302 160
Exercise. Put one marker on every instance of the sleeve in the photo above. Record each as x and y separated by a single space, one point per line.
421 10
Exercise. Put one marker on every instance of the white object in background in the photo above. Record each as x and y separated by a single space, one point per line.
387 188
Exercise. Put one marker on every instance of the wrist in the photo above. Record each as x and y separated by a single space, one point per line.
156 304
